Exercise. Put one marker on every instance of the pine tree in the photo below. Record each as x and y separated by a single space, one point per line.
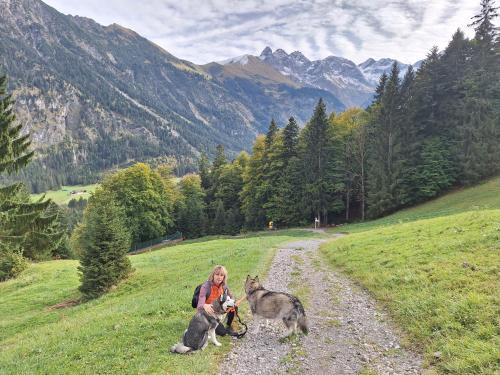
26 227
190 207
218 164
104 241
385 164
379 90
480 130
285 205
272 172
322 180
252 193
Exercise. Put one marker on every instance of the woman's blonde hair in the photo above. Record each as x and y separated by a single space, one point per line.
217 270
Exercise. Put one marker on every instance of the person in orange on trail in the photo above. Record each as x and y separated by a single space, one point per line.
213 288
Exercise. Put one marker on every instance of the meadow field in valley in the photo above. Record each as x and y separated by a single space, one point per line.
67 193
130 329
435 268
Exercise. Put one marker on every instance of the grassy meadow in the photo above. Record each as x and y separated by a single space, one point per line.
436 269
63 195
129 330
477 198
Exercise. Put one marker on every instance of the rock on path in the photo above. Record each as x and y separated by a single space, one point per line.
348 334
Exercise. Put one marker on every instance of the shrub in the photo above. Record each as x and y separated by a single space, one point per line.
11 264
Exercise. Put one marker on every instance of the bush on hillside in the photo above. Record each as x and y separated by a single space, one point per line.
12 263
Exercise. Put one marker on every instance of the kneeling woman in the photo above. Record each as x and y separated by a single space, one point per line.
213 288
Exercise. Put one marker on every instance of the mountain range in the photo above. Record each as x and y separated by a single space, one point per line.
97 97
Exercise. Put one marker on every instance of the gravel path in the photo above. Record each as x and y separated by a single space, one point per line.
348 334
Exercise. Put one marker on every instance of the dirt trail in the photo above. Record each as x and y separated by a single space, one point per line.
348 333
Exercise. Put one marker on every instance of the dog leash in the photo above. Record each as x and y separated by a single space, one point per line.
238 335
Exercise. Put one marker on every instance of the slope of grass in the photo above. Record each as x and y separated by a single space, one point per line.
438 277
480 197
131 329
63 195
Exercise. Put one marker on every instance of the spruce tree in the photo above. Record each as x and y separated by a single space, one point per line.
322 180
287 200
26 227
252 197
190 207
385 167
272 172
104 242
480 130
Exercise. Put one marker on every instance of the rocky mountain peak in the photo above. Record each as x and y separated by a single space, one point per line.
266 52
367 63
298 56
280 54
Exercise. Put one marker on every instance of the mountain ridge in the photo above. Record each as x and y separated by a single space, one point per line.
96 97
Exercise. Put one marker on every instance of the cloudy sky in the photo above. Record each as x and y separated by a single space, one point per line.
214 30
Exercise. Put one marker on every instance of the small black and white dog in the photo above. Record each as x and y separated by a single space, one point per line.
202 327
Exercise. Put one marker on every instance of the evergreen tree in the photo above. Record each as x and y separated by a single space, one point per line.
230 187
251 196
480 129
190 207
272 172
204 172
104 242
385 164
321 177
454 67
284 207
219 221
26 227
379 90
218 164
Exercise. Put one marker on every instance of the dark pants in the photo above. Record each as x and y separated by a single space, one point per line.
220 330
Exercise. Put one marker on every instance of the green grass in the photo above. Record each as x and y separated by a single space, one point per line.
63 195
438 277
480 197
131 329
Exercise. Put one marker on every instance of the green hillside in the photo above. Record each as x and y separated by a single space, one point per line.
480 197
438 277
131 329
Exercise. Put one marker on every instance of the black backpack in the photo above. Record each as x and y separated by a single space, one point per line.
196 295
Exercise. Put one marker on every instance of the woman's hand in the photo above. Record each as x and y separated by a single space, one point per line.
240 300
208 308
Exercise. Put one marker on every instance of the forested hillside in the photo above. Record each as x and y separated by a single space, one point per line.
433 130
97 97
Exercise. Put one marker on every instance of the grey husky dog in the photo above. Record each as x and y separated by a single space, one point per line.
275 305
202 327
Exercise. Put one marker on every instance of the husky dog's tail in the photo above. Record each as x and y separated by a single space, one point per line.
302 323
180 348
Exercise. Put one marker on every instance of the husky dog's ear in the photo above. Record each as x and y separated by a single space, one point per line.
248 277
256 278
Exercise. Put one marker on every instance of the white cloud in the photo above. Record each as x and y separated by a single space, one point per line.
213 30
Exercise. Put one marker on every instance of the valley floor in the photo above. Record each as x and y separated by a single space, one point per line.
348 334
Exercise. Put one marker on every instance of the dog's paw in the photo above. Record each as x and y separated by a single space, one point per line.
217 343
